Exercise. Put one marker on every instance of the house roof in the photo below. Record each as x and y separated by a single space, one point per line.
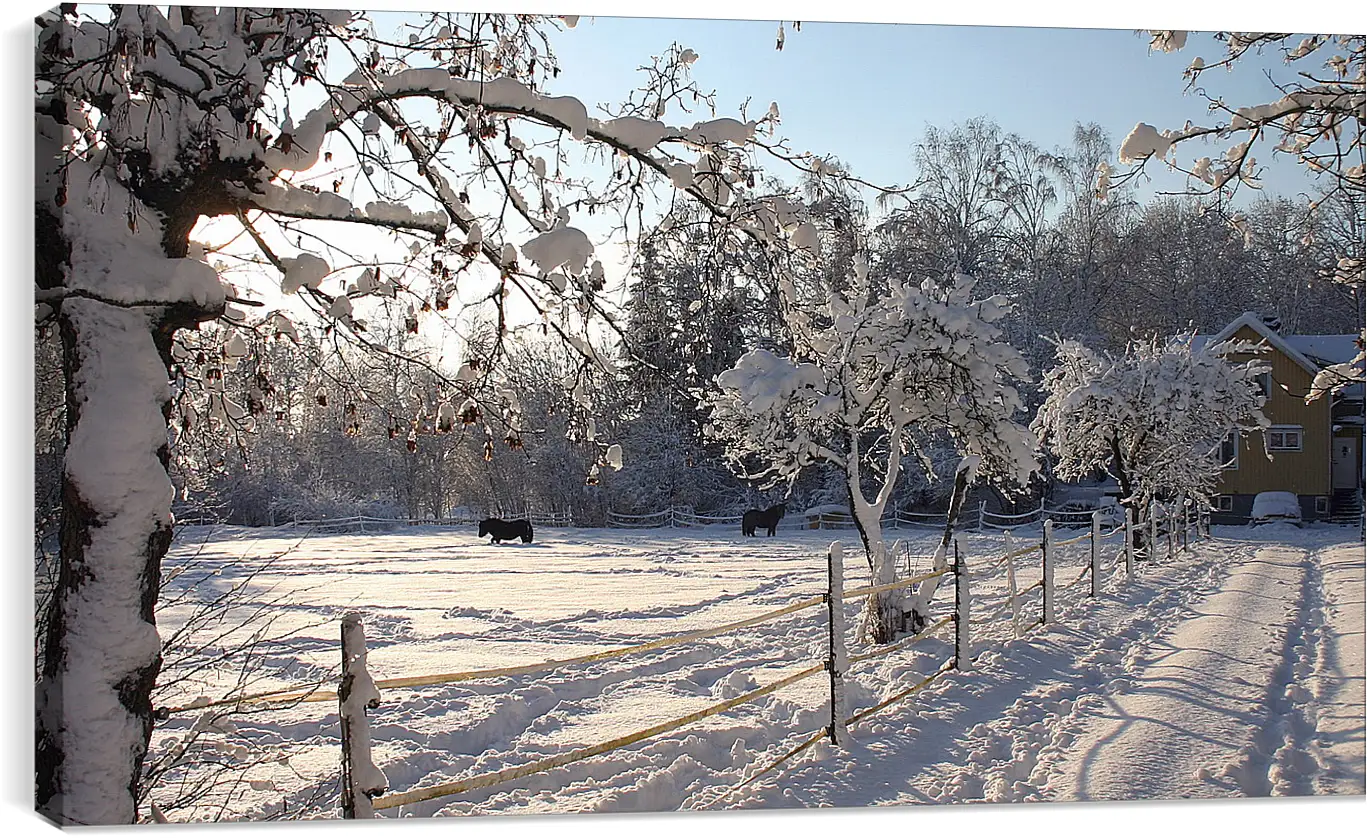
1325 349
1311 352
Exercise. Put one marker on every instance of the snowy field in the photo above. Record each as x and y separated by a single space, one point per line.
1234 669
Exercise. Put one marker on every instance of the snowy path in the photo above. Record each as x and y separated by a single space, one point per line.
1200 718
1233 671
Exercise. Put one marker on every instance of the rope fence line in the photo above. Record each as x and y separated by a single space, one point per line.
904 643
1078 540
892 586
543 519
496 777
1014 554
1080 577
817 737
802 746
896 697
863 714
978 519
685 517
295 693
834 595
312 694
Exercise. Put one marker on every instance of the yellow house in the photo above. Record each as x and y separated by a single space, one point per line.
1311 450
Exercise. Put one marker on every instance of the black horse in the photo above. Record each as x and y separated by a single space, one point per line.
506 530
768 519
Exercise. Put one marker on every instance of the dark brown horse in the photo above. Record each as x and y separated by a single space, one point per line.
506 530
767 519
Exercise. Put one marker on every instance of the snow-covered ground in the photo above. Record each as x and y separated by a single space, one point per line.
1234 669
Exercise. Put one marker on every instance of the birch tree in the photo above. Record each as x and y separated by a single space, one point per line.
873 372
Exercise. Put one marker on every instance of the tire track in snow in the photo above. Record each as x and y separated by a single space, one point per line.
1337 683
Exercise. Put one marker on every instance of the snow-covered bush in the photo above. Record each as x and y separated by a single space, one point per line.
1153 417
874 371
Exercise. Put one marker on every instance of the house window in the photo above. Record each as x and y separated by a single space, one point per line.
1265 384
1284 438
1224 503
1229 451
1321 506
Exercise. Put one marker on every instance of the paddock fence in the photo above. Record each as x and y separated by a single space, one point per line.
366 524
996 588
977 518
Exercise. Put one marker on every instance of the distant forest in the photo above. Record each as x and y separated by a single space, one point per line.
327 429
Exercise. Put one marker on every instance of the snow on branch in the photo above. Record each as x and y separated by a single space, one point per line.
1336 377
291 201
923 356
1317 120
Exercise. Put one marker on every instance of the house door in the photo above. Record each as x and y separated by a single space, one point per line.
1346 471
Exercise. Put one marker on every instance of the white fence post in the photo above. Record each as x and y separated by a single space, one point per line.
1012 592
982 514
1152 553
1047 568
1172 534
1129 544
361 780
1096 552
963 656
838 660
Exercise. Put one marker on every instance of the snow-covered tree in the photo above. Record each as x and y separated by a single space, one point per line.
153 121
1153 417
872 370
1316 120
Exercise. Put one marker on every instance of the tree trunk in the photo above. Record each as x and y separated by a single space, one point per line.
103 654
885 619
920 602
1127 498
884 610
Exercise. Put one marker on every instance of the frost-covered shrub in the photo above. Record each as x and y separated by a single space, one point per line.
1153 417
255 501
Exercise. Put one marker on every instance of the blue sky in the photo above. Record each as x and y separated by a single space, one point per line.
865 91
